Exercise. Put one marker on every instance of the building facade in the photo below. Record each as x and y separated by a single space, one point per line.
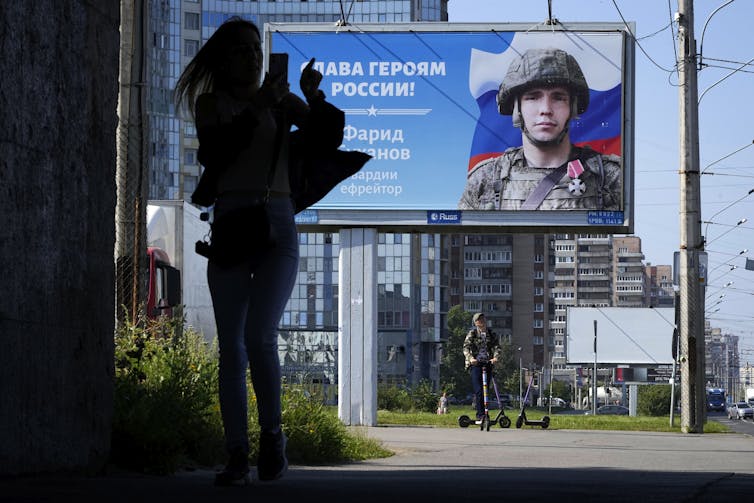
628 272
507 276
721 361
582 277
659 287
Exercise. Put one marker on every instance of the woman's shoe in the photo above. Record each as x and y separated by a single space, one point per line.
272 462
236 472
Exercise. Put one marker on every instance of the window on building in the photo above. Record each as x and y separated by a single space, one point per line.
191 20
189 184
472 306
190 47
189 156
472 272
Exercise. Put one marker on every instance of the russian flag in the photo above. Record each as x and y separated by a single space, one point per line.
599 127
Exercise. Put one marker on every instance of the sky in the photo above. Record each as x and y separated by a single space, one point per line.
725 40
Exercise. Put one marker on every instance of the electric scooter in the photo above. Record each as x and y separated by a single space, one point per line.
485 422
522 420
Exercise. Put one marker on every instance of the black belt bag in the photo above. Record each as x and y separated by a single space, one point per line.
241 235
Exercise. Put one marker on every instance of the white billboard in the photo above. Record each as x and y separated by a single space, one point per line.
625 335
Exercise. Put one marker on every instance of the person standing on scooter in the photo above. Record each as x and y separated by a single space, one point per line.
481 348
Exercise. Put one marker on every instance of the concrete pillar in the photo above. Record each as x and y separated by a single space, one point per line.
357 327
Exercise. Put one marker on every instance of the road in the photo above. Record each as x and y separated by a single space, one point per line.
463 465
745 426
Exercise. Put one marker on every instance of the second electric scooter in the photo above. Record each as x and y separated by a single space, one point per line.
522 420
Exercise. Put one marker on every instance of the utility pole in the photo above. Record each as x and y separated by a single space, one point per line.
691 297
594 376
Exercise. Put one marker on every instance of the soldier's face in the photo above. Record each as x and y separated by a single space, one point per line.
546 111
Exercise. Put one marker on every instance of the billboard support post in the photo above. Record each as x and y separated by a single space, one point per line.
691 300
357 327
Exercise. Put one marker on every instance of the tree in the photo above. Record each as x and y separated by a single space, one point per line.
453 375
560 389
506 369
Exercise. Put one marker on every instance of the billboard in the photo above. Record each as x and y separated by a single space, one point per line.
452 148
625 335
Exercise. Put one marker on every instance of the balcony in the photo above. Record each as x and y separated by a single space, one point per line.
595 289
637 255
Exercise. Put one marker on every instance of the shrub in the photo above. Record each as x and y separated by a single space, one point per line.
393 398
654 400
420 398
167 413
424 399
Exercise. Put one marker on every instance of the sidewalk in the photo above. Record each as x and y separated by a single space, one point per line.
458 465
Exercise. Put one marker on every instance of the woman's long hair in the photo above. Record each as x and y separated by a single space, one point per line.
204 70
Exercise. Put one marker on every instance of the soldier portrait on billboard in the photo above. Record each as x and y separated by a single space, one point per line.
543 91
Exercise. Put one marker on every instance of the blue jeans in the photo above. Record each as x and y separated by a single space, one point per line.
248 308
476 384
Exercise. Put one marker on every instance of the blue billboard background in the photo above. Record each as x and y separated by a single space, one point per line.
423 104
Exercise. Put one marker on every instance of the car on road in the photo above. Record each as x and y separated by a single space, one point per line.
610 410
559 402
740 410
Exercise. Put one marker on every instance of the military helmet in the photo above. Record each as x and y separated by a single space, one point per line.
543 67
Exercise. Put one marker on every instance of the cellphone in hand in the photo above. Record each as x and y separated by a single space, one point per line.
279 65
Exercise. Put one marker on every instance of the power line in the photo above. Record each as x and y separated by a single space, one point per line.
721 80
638 44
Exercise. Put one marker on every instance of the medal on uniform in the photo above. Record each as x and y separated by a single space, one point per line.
576 187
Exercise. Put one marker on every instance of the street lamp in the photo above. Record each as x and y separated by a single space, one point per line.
742 252
731 227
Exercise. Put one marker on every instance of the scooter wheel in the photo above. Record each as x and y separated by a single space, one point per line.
464 421
505 422
545 422
519 422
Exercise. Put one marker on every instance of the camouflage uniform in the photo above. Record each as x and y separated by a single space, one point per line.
473 342
504 183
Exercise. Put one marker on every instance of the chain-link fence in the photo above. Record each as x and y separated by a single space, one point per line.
132 151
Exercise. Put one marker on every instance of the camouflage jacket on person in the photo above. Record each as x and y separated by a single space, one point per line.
473 343
504 183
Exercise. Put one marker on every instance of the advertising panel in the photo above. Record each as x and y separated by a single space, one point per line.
476 127
625 335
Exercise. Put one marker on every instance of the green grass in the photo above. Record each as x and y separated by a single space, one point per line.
557 421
